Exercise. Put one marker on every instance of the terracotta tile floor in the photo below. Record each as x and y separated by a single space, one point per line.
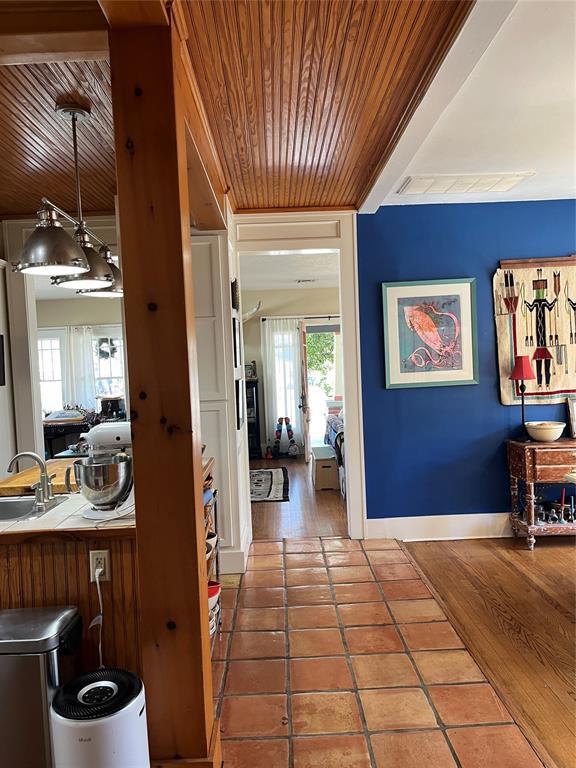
334 654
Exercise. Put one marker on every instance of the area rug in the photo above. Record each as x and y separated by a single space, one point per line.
269 484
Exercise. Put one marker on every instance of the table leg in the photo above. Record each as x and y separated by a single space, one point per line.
530 502
514 499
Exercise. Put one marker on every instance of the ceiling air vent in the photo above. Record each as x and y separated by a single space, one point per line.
470 183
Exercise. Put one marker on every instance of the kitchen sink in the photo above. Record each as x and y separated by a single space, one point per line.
24 507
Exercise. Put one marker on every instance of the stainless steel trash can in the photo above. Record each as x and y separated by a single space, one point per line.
32 642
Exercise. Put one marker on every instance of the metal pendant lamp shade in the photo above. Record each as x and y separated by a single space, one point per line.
99 274
50 250
115 291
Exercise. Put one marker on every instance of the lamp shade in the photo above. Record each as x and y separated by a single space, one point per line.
99 274
50 250
115 291
522 370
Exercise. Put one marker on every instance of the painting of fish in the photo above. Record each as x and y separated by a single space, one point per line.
430 333
429 329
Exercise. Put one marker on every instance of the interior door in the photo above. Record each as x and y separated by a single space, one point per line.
304 403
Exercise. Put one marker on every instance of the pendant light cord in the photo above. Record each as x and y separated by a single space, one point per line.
77 169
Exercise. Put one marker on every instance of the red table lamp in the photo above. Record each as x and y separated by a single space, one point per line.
522 372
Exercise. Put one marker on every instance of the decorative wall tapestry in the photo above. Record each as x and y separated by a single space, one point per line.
535 311
430 333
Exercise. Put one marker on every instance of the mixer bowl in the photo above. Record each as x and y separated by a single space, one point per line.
105 481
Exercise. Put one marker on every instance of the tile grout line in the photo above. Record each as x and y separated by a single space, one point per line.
408 652
288 657
347 656
229 646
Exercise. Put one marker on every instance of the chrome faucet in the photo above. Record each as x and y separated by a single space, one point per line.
43 489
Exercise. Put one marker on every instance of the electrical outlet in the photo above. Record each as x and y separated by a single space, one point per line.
100 558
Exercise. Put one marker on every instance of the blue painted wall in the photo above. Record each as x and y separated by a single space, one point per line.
440 450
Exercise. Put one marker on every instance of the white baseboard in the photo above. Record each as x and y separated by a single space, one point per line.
439 527
233 560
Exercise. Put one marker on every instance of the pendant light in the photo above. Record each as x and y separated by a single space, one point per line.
50 250
116 290
99 274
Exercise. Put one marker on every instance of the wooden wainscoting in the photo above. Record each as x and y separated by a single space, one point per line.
54 569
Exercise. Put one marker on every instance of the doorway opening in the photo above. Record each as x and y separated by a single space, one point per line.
293 355
310 235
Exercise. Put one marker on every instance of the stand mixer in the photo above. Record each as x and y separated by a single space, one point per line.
104 477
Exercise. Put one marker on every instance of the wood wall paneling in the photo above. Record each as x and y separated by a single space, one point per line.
54 569
150 138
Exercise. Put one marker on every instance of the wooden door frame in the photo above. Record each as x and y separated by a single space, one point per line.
336 230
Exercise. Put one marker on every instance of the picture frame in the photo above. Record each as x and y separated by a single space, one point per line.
430 333
250 370
239 392
571 405
236 339
2 362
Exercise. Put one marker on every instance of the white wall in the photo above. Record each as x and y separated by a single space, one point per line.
54 313
303 301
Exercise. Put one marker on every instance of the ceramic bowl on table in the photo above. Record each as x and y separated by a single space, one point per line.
545 431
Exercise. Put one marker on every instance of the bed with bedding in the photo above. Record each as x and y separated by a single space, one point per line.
334 436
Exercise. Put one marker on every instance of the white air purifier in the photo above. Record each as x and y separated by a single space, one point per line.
99 721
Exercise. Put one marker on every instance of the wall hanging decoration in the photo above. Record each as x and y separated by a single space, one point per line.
430 333
535 313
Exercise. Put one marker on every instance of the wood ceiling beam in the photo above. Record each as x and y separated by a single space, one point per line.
154 225
36 33
135 13
52 47
208 186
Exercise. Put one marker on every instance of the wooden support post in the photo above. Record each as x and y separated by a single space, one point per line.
150 138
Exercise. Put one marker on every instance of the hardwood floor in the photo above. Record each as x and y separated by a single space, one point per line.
308 513
515 611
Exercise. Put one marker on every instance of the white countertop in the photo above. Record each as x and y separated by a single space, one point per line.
68 516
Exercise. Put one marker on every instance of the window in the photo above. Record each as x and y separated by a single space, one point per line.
108 356
51 345
80 364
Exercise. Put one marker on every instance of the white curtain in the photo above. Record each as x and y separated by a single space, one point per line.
282 385
79 379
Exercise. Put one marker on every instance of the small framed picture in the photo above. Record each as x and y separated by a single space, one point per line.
2 363
571 403
250 370
239 388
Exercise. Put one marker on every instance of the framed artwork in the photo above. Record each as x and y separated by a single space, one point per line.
571 403
236 339
430 333
239 391
2 363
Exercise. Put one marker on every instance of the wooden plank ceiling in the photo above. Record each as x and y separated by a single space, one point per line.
305 100
36 158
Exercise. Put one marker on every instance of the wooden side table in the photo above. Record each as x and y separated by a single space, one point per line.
538 463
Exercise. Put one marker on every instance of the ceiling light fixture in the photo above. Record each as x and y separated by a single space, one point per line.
115 291
99 274
50 250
